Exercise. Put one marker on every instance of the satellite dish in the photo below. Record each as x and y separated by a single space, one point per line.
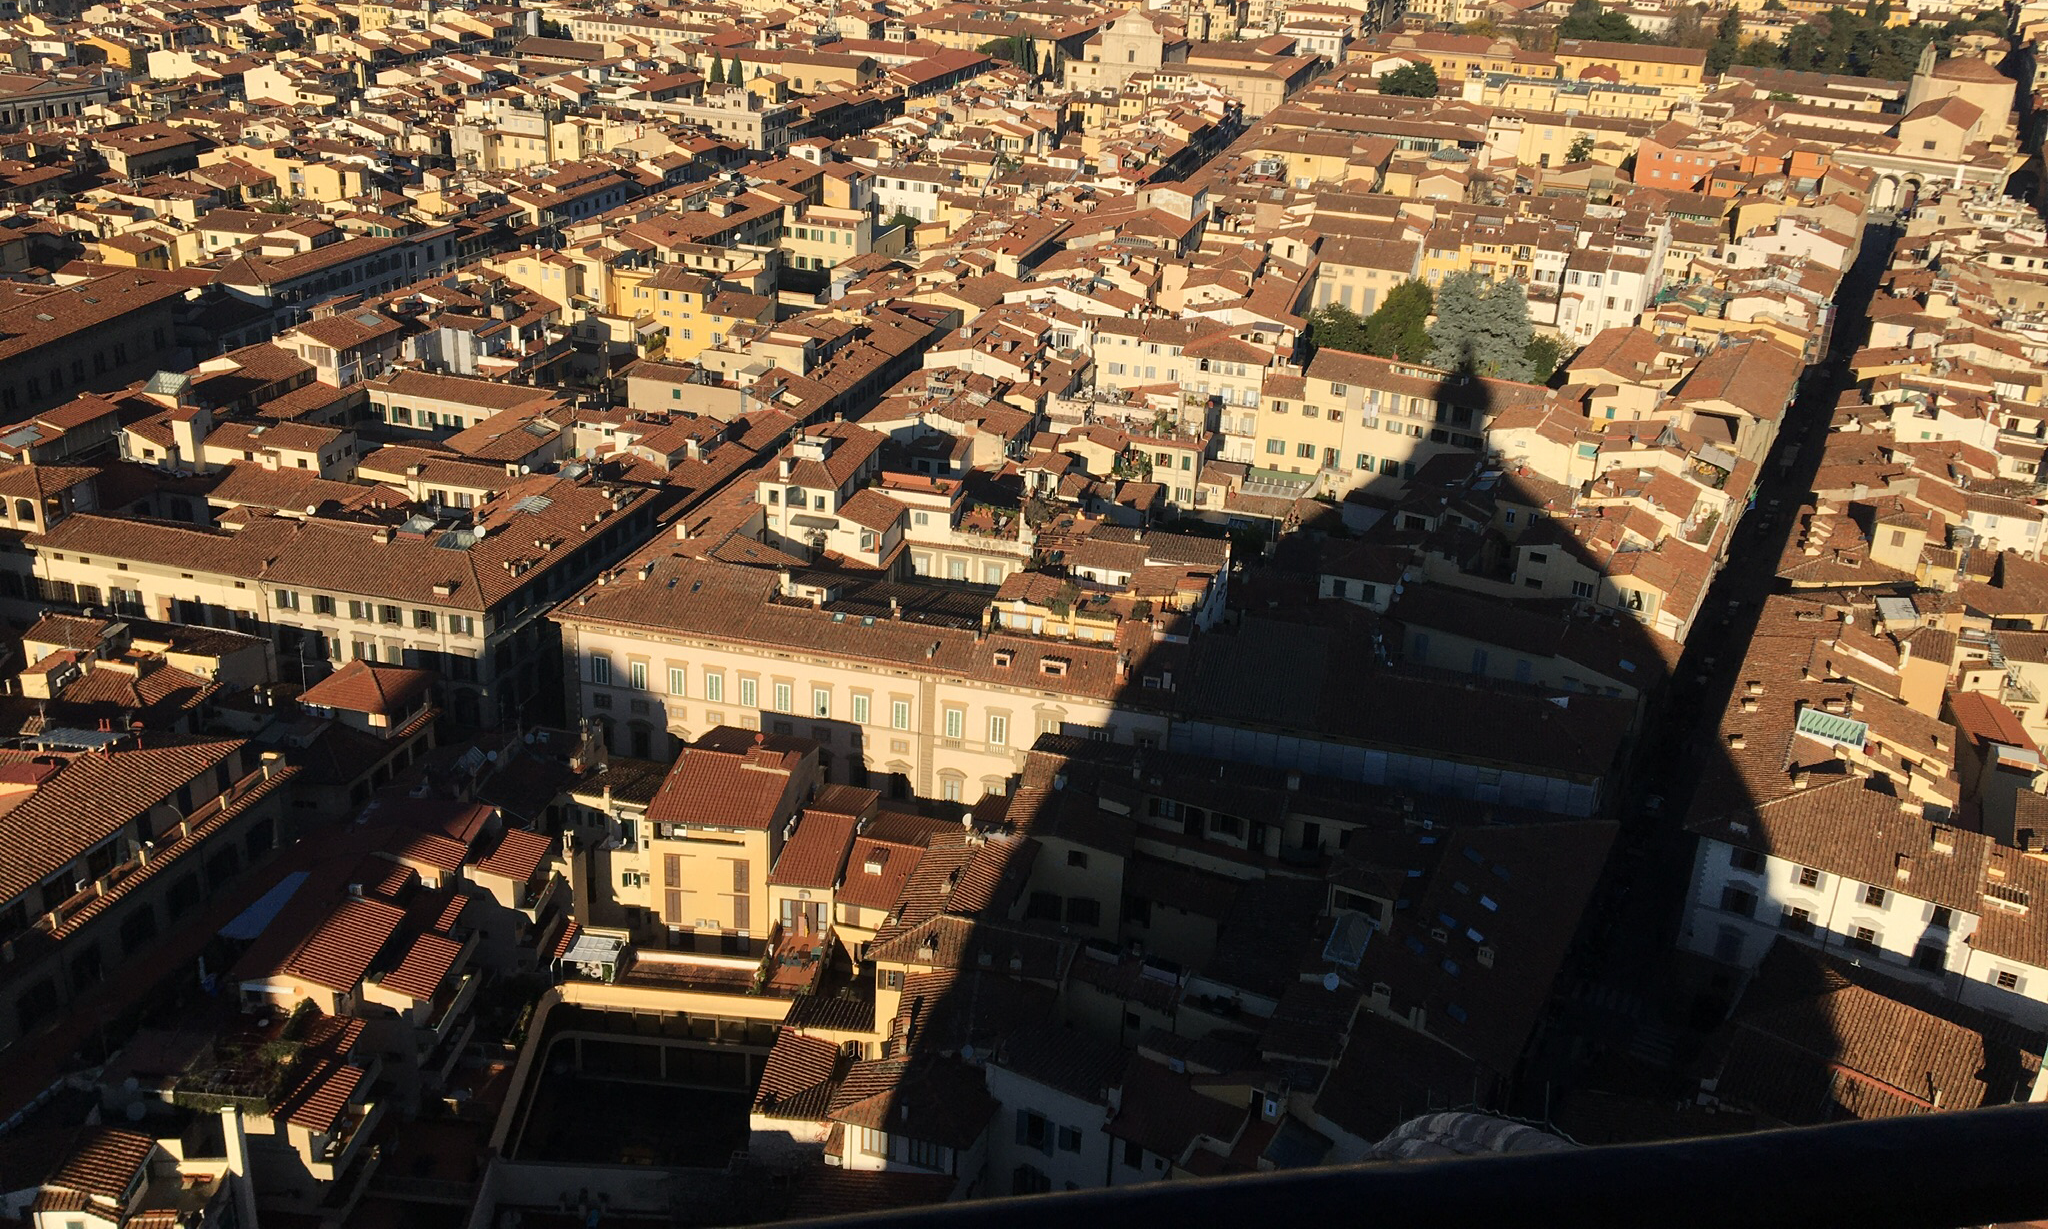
967 1053
491 757
1331 982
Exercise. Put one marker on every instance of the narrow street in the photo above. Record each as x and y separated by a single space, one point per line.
1615 993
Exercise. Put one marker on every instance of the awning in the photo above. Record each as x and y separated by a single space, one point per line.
594 949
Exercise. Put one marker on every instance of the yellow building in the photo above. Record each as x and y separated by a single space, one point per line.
1633 63
694 312
944 713
1556 95
714 829
296 176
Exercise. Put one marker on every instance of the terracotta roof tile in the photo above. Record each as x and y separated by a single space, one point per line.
424 968
814 855
519 855
338 952
724 789
322 1097
93 798
363 687
103 1162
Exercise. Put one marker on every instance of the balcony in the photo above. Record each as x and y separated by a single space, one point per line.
796 962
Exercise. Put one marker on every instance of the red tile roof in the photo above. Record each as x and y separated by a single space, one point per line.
89 801
814 854
381 877
568 939
519 855
882 886
361 687
169 851
723 789
424 968
339 951
428 849
451 914
320 1099
1982 720
103 1162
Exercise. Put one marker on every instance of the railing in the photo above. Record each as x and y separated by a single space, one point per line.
1918 1172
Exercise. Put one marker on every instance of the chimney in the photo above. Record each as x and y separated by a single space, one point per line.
189 428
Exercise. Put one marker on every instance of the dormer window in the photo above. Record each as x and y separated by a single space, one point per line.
1055 666
1004 657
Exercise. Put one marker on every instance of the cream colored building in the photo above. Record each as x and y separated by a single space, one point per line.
333 592
678 646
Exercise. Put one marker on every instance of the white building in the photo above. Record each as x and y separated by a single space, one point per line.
1054 1088
1859 873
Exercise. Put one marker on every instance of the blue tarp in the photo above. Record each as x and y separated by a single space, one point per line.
251 922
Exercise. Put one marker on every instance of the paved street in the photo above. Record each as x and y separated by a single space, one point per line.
1623 991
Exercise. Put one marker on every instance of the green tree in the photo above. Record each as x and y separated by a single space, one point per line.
1759 54
1582 148
1413 81
907 220
1727 43
1015 48
736 75
1544 353
1588 20
1482 327
1399 327
1686 24
717 71
1336 327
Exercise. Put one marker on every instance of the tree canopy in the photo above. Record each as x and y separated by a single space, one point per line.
1482 327
1727 43
1587 19
1016 49
1544 353
1412 81
1838 41
1398 328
